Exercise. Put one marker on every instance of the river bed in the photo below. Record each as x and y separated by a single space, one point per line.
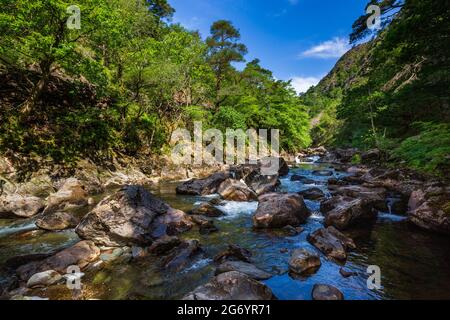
414 264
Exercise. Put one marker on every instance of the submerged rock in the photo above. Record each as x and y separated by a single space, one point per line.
243 267
279 210
234 190
324 292
17 206
81 254
201 187
332 243
303 261
231 286
132 216
430 209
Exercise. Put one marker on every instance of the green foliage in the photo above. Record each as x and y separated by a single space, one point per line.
429 150
126 80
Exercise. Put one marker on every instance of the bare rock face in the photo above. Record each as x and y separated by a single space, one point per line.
324 292
277 210
304 261
245 268
71 195
81 254
57 221
234 190
430 209
15 205
201 187
232 286
332 243
132 216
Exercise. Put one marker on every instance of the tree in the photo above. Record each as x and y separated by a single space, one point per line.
224 48
36 33
388 10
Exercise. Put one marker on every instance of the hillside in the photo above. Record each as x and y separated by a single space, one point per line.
392 92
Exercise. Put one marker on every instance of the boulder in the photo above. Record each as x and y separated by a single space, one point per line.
164 245
15 205
350 213
430 209
322 173
80 254
231 286
324 292
279 210
208 210
371 156
71 195
262 184
131 216
234 190
345 155
243 267
201 187
181 256
57 221
44 279
332 243
233 253
303 261
312 194
205 226
302 179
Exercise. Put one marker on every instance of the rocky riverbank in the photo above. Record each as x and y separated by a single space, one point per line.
116 222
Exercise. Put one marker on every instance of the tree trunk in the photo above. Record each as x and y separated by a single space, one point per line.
37 90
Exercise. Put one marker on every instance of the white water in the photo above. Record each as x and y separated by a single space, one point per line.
235 209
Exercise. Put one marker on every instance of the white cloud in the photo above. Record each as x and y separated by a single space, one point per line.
329 49
302 84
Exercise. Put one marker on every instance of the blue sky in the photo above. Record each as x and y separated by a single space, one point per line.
296 39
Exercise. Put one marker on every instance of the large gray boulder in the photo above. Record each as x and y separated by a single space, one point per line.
131 216
232 286
276 210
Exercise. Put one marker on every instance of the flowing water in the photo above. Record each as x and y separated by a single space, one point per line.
414 264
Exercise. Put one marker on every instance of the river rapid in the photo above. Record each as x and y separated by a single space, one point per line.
414 264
